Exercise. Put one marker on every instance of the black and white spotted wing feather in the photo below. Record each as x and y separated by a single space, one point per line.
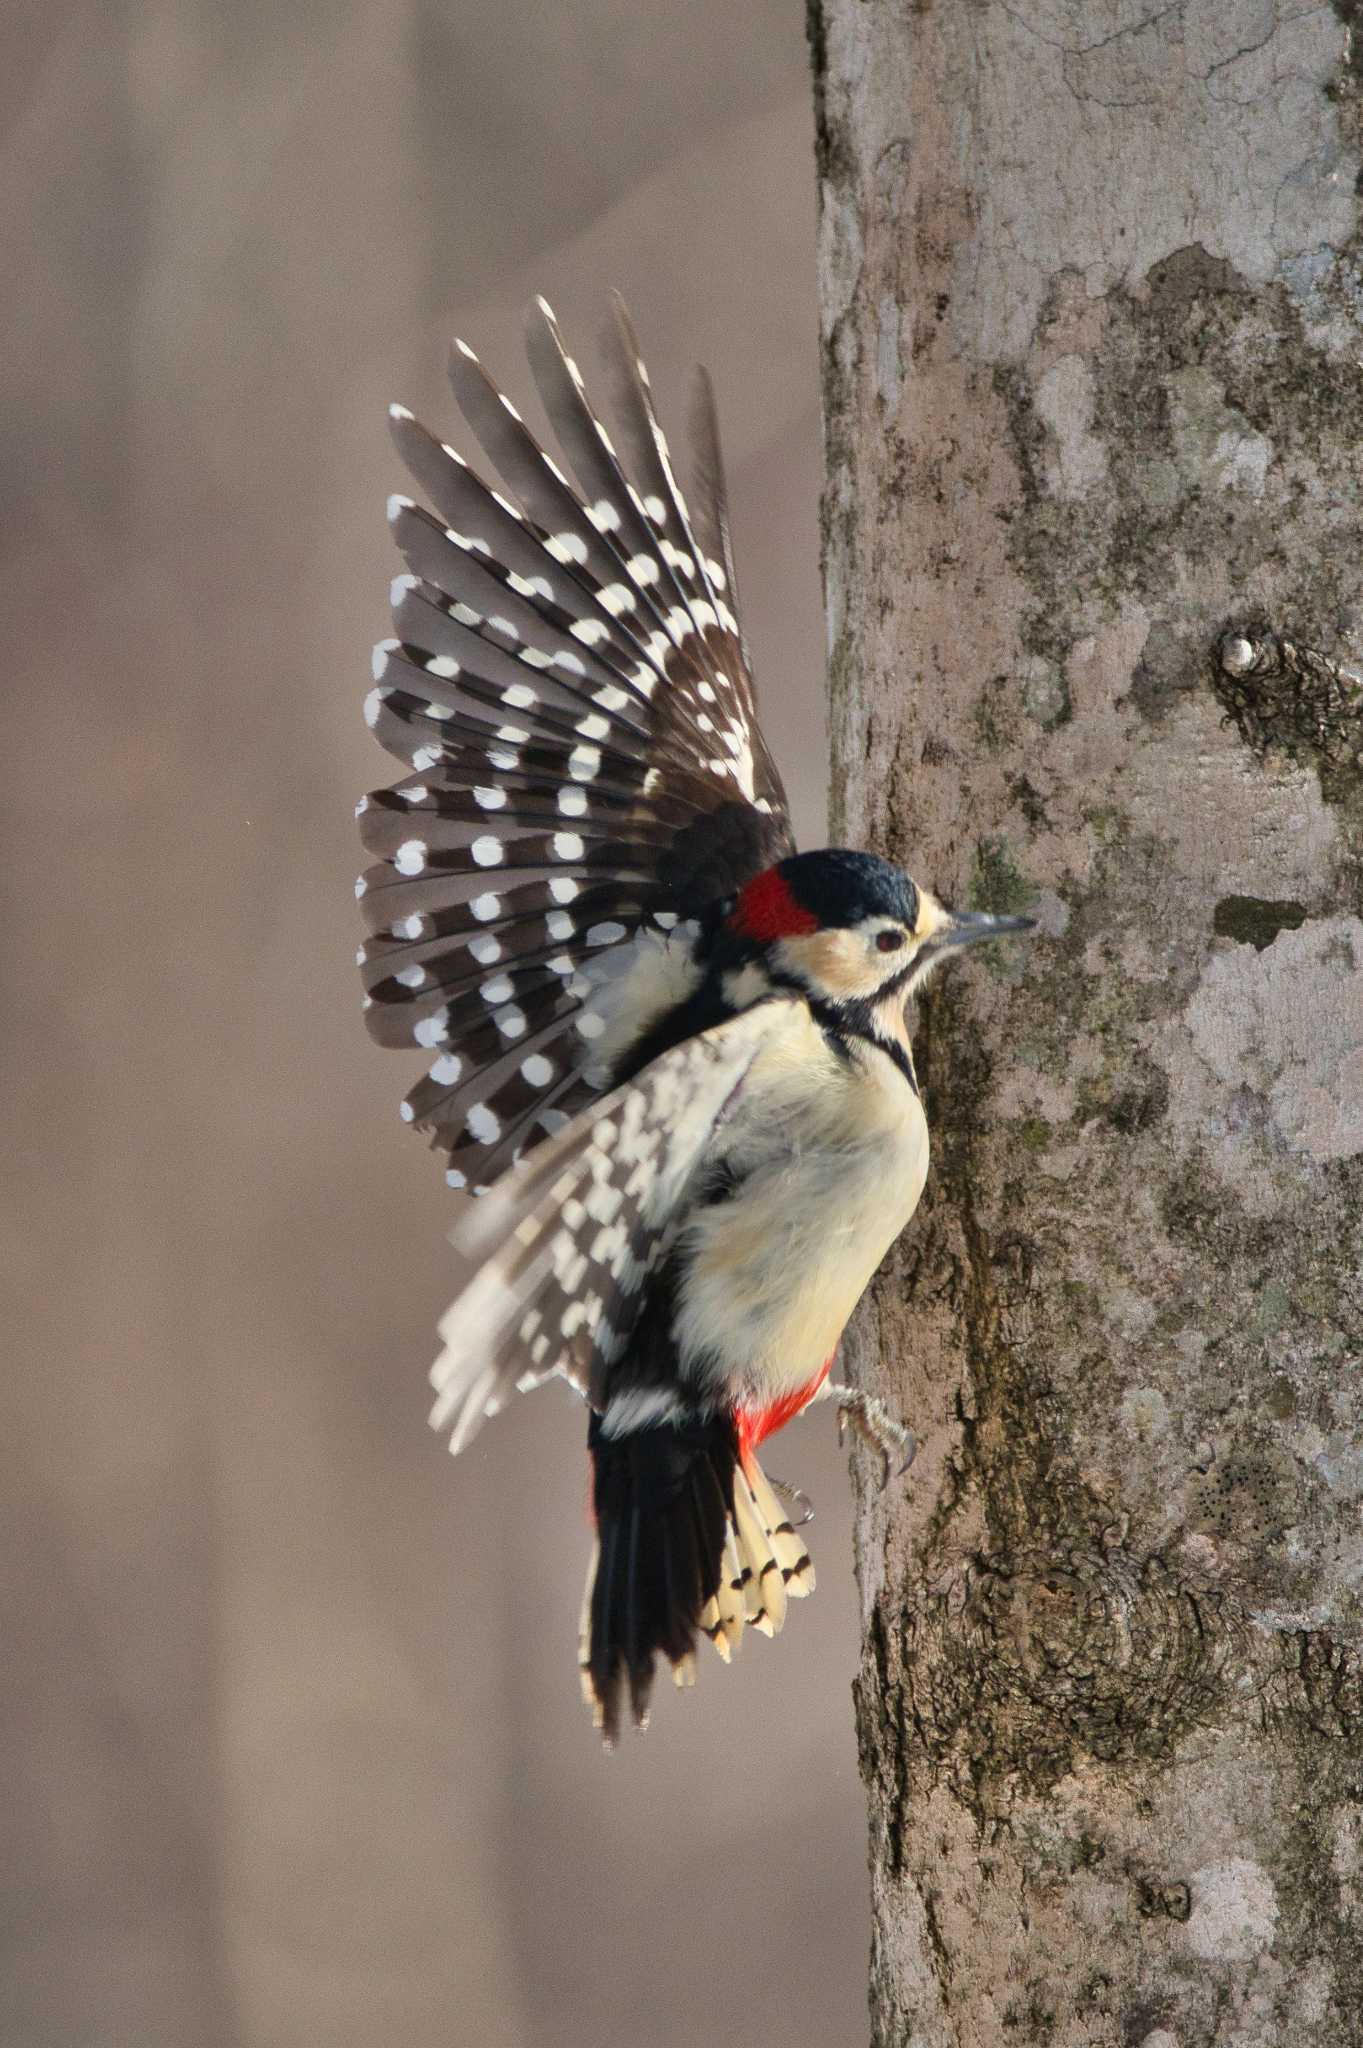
565 1245
568 689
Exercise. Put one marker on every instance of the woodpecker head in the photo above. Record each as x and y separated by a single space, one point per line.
852 929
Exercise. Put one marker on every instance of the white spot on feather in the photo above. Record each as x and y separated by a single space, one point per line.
487 851
410 858
486 907
566 547
484 1125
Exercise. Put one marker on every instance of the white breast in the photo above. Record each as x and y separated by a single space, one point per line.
831 1159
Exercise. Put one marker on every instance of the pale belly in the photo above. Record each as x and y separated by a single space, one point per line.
774 1272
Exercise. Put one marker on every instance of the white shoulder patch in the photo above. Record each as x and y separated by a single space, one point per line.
632 986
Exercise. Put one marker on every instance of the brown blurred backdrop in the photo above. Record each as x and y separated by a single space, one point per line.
292 1745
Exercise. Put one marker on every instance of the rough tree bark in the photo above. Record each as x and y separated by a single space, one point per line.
1092 295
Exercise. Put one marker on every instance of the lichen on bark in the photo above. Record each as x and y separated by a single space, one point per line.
1092 282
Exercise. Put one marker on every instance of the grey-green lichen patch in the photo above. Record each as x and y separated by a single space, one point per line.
997 882
1214 445
1145 1412
1328 287
1045 696
1287 1024
1251 1493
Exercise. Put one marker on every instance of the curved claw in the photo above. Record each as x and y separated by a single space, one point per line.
894 1443
797 1497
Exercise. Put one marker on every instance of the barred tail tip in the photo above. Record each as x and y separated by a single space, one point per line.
689 1537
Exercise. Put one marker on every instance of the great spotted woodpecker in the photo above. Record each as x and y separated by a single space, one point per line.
670 1051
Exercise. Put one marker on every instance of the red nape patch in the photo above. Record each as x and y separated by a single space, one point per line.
766 909
755 1425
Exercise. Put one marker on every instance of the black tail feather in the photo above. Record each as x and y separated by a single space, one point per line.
662 1496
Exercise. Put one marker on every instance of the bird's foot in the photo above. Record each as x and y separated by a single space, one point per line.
795 1497
896 1446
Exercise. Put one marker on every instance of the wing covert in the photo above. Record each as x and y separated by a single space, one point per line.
564 1245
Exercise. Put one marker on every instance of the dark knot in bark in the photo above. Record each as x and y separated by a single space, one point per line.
1287 698
1025 1664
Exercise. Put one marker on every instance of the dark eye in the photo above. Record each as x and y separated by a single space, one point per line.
889 942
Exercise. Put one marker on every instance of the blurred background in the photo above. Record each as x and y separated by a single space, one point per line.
292 1744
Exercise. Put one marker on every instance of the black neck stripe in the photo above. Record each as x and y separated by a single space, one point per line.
842 1022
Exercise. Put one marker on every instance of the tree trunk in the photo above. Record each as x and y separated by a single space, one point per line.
1091 293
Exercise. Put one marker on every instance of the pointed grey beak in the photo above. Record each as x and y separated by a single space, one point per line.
966 928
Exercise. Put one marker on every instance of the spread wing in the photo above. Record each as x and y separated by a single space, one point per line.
569 693
565 1244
